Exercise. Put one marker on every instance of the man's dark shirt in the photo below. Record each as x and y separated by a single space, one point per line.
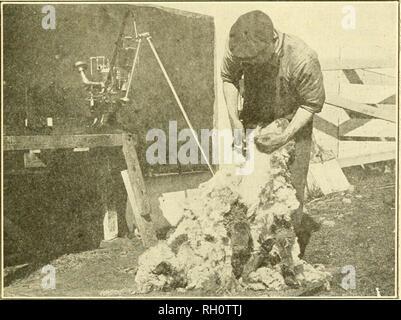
292 79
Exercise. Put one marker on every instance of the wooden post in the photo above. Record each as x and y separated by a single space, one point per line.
104 185
137 195
129 217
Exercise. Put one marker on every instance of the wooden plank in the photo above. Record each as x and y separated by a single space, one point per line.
136 190
352 76
388 72
368 128
333 114
337 180
390 100
337 101
351 125
39 171
373 77
350 56
366 158
363 93
317 178
32 161
130 217
366 138
337 64
110 225
135 174
12 143
325 127
359 152
321 124
327 176
145 228
169 204
357 148
391 107
326 142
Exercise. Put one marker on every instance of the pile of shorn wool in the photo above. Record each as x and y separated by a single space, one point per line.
235 232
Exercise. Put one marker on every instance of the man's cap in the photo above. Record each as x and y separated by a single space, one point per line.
250 34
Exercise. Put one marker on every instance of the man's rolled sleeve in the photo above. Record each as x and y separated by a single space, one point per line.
309 85
231 69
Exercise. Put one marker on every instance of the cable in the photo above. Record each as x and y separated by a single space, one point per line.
179 102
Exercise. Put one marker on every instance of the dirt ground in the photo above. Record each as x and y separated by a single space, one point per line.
358 229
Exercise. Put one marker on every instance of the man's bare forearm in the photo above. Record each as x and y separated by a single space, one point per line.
301 118
231 97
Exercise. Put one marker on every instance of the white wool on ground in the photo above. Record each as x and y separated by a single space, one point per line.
199 249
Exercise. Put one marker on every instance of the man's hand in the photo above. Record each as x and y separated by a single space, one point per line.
271 142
